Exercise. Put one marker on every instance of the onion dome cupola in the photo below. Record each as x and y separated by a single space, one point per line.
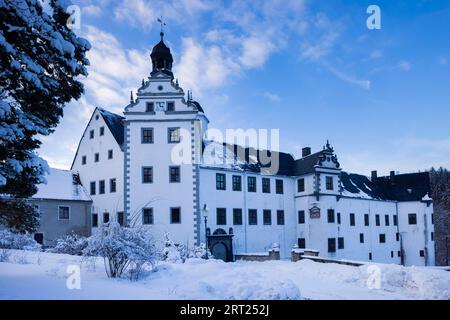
161 58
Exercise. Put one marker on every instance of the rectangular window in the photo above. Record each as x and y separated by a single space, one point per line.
331 244
301 185
96 157
105 217
399 254
340 243
412 218
370 255
386 220
280 217
147 216
112 185
338 215
330 215
237 217
397 236
147 174
92 186
146 135
352 219
102 131
150 107
110 154
91 134
175 215
170 106
422 253
101 187
173 135
220 181
252 217
432 236
395 218
366 219
301 217
251 183
265 185
279 186
267 217
95 220
83 160
377 219
392 254
329 183
63 213
361 238
382 238
221 218
237 183
301 243
120 218
432 218
174 173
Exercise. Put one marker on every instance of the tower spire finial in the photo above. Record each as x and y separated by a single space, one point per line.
131 97
160 20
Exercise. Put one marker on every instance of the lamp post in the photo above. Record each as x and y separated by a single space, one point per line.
205 216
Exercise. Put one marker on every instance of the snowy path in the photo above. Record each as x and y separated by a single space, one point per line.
44 277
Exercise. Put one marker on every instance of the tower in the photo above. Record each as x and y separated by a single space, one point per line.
163 134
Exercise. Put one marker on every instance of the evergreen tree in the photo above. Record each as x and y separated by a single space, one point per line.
40 60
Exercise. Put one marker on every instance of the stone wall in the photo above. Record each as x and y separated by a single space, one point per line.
273 254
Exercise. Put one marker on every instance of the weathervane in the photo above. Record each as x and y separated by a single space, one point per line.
160 20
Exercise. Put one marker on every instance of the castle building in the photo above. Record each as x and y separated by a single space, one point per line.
156 166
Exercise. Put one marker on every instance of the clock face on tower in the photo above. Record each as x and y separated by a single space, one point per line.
160 106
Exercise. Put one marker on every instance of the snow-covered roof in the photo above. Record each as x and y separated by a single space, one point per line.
62 185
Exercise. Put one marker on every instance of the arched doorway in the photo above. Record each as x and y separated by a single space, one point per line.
219 251
221 245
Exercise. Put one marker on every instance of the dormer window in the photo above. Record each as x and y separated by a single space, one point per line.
170 106
150 107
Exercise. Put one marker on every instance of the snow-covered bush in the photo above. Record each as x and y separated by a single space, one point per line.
70 244
21 257
174 252
4 255
122 248
11 240
199 252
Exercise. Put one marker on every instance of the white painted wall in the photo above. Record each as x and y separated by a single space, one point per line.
161 195
417 237
250 238
105 169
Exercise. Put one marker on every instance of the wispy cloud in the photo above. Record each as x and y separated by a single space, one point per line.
138 13
114 70
404 65
272 97
443 61
365 84
92 10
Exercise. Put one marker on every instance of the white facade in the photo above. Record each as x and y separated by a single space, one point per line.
340 215
107 203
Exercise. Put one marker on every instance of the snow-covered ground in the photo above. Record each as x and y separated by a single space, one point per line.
39 275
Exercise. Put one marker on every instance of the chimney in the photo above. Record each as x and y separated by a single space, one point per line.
374 176
306 151
392 175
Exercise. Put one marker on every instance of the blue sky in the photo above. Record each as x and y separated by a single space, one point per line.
309 68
